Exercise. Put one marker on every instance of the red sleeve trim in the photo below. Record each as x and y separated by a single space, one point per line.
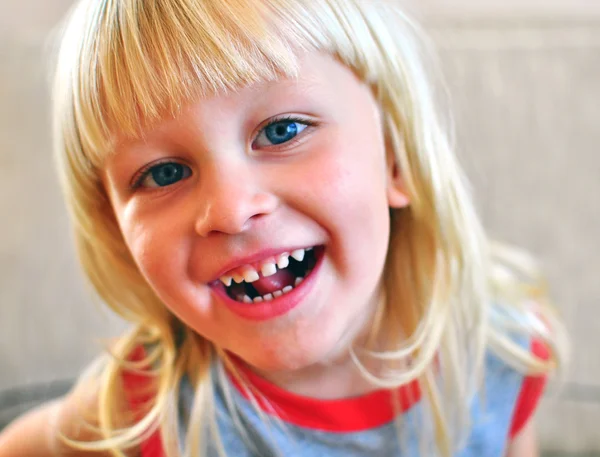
137 392
531 392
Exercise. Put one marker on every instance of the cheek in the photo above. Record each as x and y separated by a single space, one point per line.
154 258
350 177
348 190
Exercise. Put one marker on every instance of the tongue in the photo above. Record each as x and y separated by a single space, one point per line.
274 282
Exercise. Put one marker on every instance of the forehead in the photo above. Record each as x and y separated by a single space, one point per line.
324 89
173 55
320 83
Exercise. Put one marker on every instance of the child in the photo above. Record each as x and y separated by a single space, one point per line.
265 190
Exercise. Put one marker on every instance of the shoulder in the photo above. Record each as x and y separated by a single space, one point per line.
521 351
79 412
530 394
41 431
512 395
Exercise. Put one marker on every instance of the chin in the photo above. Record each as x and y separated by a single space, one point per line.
296 357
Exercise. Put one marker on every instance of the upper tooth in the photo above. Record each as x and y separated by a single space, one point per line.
298 254
250 275
283 261
268 269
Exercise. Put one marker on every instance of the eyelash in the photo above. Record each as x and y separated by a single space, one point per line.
289 119
142 174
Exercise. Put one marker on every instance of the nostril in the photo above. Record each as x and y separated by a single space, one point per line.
234 210
257 217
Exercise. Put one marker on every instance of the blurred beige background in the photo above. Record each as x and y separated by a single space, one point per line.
525 82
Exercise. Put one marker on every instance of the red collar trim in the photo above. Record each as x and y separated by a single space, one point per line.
343 415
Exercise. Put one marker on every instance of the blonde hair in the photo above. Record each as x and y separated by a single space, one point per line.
125 64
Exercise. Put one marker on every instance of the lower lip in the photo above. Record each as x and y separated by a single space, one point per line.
276 307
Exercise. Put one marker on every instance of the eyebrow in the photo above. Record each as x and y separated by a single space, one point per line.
302 86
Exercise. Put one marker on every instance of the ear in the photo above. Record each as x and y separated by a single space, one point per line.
396 190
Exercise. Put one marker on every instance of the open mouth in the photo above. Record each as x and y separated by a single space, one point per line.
276 277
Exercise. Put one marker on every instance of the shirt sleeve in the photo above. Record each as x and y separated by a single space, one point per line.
531 392
138 393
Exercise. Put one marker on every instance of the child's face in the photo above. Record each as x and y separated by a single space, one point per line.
238 180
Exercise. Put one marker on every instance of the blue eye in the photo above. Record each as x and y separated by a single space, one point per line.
280 132
162 175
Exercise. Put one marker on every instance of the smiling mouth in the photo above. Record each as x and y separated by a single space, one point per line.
289 273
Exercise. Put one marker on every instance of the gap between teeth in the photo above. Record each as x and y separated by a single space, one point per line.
270 296
249 274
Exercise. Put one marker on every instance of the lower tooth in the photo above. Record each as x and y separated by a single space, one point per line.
247 299
277 293
286 289
298 281
258 300
268 297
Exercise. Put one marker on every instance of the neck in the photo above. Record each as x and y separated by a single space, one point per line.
336 375
338 378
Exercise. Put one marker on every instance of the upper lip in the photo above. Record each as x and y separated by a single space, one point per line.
237 262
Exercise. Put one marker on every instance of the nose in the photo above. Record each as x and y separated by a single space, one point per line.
231 197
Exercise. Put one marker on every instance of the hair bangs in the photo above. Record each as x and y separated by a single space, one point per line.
141 61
